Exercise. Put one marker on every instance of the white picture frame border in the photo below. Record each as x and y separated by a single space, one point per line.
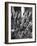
9 24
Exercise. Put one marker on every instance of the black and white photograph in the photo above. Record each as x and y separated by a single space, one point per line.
21 23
